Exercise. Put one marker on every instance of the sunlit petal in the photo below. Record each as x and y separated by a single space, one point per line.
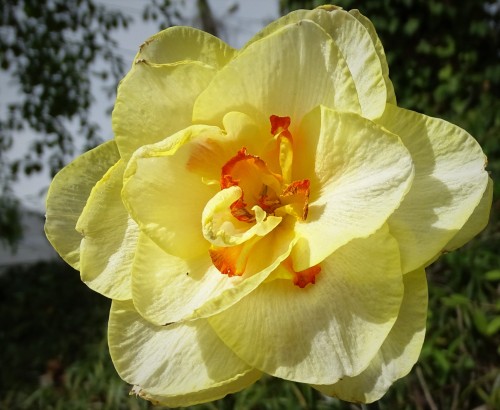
109 238
398 353
289 60
176 365
450 180
324 331
354 189
68 195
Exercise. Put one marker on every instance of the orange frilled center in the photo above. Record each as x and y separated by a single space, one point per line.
275 193
262 187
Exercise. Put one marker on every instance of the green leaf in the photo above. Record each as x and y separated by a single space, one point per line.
492 275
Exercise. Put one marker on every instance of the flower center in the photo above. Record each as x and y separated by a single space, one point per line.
261 187
272 192
253 200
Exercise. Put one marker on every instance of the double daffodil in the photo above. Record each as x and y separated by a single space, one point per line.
266 210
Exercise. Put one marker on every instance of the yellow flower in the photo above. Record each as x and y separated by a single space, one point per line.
266 210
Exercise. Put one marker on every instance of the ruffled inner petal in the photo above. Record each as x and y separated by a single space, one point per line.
166 196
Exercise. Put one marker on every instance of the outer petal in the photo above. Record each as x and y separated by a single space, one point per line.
359 175
177 365
398 353
67 196
167 289
170 70
450 180
357 48
185 43
476 223
164 197
155 101
391 97
109 238
327 330
299 68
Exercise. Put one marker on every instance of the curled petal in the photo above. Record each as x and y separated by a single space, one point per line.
476 222
348 33
169 72
391 97
450 180
178 43
175 365
164 197
297 54
68 195
398 353
109 238
354 189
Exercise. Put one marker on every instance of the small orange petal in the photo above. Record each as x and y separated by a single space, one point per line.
303 277
307 276
280 125
226 260
232 260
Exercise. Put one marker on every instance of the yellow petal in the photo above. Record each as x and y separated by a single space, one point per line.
450 180
168 289
327 330
185 43
155 101
359 175
358 50
67 196
299 68
156 97
391 97
398 353
164 197
476 222
221 229
109 238
176 365
211 154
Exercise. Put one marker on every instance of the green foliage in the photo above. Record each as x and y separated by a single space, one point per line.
49 49
53 338
10 221
48 53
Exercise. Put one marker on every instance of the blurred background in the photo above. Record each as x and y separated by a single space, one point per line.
60 62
